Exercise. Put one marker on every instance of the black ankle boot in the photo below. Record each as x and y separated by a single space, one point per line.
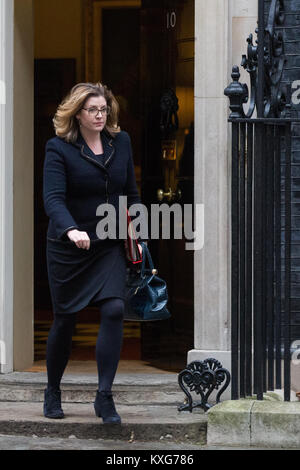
105 408
52 404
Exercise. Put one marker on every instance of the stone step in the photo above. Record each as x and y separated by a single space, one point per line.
128 395
139 423
147 403
138 389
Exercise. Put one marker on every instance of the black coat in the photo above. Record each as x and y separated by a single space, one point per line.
75 182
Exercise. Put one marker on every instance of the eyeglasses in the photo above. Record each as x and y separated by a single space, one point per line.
93 110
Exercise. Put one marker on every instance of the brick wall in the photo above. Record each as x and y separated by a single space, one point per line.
291 34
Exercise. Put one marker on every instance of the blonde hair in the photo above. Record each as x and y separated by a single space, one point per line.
65 123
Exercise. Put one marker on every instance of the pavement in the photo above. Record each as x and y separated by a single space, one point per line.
72 443
25 443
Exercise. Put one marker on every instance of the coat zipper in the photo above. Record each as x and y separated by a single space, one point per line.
101 166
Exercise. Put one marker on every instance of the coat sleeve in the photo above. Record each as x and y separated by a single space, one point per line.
131 191
54 191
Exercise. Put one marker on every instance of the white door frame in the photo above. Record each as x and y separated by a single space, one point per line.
16 185
6 185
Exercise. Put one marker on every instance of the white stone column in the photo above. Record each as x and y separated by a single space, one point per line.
221 29
6 185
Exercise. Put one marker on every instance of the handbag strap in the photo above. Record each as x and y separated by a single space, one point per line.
146 254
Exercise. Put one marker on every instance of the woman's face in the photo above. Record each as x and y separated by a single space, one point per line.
94 114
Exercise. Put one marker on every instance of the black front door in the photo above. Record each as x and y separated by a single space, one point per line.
167 87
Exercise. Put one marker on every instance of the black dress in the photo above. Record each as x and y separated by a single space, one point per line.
80 277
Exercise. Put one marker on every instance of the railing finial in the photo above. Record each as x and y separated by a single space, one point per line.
264 63
237 94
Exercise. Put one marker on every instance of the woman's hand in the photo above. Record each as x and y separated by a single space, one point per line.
81 239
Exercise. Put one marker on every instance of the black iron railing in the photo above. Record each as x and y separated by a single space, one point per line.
261 213
261 256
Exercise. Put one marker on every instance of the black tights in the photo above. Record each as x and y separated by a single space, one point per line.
108 346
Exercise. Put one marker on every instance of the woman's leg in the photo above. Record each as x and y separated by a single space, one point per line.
59 346
109 341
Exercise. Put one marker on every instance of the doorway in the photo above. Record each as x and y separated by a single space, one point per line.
167 109
156 59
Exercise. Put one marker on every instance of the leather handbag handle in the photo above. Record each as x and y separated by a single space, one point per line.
146 254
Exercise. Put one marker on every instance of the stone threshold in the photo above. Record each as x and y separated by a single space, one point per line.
133 389
144 379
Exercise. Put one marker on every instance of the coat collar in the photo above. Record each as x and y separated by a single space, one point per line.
108 149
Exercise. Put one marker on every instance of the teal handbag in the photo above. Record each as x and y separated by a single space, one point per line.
146 293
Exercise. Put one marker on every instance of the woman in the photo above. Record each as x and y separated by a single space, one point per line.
88 163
